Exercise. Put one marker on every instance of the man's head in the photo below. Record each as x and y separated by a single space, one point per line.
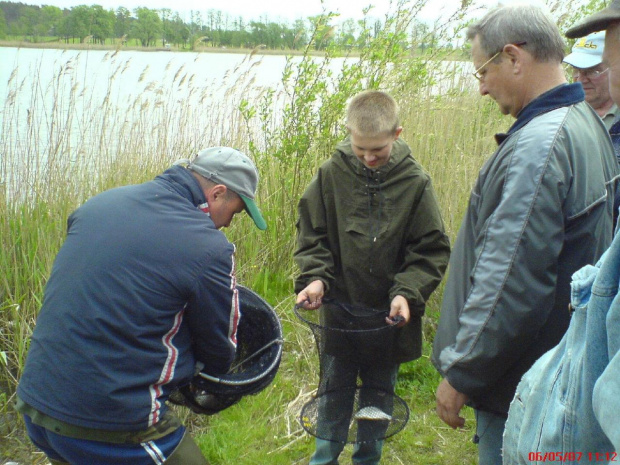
372 120
586 59
611 59
517 51
229 181
607 19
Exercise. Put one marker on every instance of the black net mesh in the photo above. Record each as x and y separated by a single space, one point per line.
256 363
259 350
351 406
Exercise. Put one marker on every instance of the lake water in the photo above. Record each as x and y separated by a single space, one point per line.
52 99
101 104
41 80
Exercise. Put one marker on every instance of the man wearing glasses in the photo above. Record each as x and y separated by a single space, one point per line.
588 69
570 399
541 209
586 59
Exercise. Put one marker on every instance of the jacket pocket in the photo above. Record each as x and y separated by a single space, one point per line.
368 217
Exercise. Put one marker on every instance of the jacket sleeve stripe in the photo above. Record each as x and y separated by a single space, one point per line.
167 372
235 313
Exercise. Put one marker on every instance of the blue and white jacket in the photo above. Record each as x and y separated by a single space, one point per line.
143 288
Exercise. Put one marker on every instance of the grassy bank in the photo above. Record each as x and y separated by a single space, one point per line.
51 166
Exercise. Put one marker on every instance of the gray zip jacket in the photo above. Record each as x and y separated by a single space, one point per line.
540 210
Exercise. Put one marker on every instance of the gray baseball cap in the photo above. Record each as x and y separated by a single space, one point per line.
587 51
236 171
596 22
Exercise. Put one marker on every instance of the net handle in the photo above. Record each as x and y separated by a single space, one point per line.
300 306
255 354
221 380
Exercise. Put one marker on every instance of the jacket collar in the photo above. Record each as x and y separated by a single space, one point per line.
560 96
182 181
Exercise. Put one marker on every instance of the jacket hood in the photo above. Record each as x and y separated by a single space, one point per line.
179 179
344 156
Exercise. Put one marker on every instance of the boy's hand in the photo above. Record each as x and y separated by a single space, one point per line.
399 311
311 297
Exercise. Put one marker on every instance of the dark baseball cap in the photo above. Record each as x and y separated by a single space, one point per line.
236 171
596 22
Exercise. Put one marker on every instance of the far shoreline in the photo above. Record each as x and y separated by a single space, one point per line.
203 49
260 50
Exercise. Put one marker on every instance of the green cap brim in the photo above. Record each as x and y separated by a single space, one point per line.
254 212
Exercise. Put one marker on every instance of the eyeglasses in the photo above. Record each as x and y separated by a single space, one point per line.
588 73
478 75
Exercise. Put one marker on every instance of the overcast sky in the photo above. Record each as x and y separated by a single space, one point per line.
287 10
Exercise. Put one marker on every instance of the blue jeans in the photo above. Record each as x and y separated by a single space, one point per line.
489 431
334 417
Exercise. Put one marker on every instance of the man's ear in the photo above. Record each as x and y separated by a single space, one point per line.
398 131
515 55
216 193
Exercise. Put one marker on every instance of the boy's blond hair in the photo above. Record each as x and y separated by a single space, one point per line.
372 113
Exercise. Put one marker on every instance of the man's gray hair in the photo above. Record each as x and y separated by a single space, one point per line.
514 24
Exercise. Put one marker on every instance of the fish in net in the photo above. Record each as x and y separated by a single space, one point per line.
351 341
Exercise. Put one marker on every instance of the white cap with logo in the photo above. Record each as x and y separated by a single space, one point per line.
587 51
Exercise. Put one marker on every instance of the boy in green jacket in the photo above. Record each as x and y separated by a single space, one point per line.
370 234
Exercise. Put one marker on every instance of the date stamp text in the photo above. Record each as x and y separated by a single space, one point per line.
572 456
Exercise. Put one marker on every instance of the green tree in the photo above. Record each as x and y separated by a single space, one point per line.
3 27
166 25
258 33
122 23
196 32
275 35
35 22
50 18
27 23
147 27
300 39
178 31
419 35
346 34
77 24
323 31
102 24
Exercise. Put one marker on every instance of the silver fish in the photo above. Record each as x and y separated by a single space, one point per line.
372 413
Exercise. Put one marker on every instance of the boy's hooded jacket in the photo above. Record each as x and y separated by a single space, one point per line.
370 235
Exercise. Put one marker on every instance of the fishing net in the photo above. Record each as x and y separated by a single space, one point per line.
352 405
256 363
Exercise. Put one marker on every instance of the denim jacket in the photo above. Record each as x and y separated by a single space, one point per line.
567 405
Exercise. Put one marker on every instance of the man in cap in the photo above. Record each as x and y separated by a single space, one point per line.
586 61
142 291
541 208
588 69
607 20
